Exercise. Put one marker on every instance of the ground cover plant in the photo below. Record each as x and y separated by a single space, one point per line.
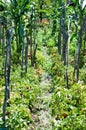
42 65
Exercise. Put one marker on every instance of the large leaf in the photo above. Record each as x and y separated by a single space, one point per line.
14 3
48 2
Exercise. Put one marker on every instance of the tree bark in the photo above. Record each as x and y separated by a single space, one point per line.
67 54
7 73
31 50
65 36
59 41
26 52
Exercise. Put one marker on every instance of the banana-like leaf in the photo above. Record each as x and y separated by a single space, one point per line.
1 7
14 3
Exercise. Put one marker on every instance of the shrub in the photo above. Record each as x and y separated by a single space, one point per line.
68 107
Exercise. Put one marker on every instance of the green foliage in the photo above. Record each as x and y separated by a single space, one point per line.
44 36
57 69
69 107
24 93
18 117
40 57
73 46
15 58
1 7
82 59
71 123
50 43
40 36
83 74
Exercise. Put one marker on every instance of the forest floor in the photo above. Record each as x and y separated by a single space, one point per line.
42 114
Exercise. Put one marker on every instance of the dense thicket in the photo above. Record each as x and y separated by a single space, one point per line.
28 25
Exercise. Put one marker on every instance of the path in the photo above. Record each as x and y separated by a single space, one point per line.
42 117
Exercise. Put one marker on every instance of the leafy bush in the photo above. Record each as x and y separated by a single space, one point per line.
68 107
40 58
71 123
82 58
83 74
18 117
57 69
24 93
50 43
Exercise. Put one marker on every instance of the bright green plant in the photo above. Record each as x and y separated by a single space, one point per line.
57 69
18 117
50 43
83 74
40 57
23 95
69 107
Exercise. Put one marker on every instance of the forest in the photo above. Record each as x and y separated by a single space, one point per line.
42 64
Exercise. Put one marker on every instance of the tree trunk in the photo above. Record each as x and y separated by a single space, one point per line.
59 41
41 7
65 36
78 47
3 49
31 50
7 74
67 54
17 38
26 52
77 55
34 53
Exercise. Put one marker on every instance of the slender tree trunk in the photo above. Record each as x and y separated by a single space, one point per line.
67 55
23 57
34 54
26 52
17 37
59 41
35 40
3 48
84 47
31 50
7 74
78 47
21 39
65 37
77 55
41 7
0 35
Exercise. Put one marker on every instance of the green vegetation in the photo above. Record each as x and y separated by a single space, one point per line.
43 65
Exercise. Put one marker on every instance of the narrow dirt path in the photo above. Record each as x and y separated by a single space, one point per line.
42 115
